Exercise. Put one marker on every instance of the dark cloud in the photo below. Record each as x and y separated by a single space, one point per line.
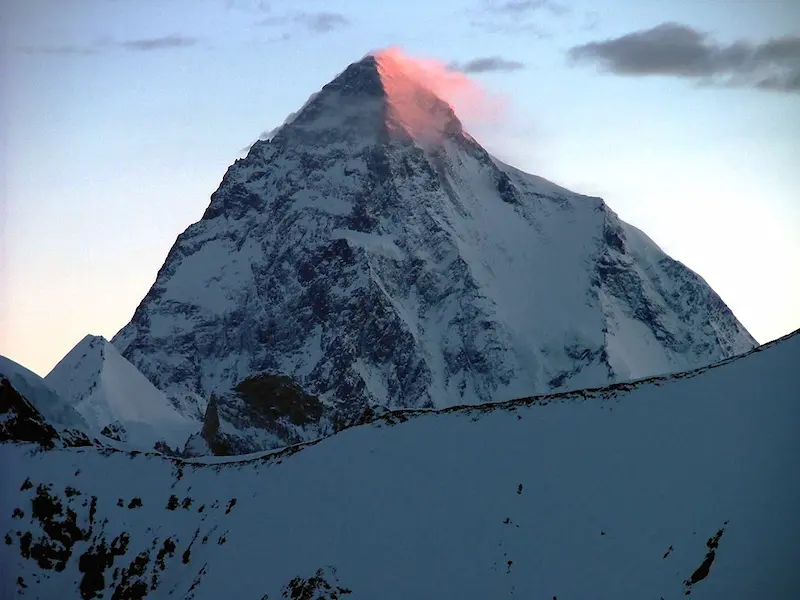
487 64
676 50
159 43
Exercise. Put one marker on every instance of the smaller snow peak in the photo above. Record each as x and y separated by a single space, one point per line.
110 393
89 354
91 342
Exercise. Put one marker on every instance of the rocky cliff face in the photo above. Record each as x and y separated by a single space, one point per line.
22 422
31 411
263 411
377 255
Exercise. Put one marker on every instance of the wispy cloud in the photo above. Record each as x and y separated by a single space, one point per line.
517 7
65 49
159 43
316 22
257 6
487 64
518 16
264 135
591 20
135 45
675 50
322 22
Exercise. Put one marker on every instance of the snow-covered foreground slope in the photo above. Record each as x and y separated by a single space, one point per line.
654 489
108 391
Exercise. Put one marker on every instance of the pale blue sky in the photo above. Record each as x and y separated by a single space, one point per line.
119 118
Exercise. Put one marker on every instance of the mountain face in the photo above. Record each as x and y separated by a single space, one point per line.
20 421
377 255
671 487
36 390
115 398
31 411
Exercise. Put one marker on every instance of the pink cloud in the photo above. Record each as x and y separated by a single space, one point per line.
403 75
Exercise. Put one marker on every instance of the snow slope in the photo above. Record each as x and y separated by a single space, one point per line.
107 390
374 252
36 390
666 487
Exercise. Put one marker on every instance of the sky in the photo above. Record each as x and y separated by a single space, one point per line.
118 119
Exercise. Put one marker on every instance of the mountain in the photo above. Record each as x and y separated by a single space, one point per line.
115 398
262 412
30 410
662 488
21 421
373 252
39 393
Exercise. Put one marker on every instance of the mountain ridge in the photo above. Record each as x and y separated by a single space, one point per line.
30 408
641 502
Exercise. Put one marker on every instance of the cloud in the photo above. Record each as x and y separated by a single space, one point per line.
245 149
316 22
257 6
468 98
532 29
517 7
267 134
66 49
138 45
159 43
676 50
591 20
322 22
487 65
518 16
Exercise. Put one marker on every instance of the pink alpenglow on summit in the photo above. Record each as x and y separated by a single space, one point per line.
424 94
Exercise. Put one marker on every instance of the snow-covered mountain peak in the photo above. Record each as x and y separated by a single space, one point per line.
76 374
384 97
412 103
375 268
86 357
115 398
